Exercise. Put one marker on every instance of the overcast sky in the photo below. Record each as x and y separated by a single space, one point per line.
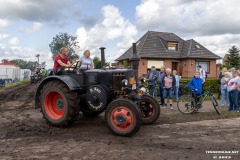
28 26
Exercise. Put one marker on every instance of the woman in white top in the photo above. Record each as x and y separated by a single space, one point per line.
86 61
233 86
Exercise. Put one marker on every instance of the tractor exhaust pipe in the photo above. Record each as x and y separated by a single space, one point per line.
135 61
102 57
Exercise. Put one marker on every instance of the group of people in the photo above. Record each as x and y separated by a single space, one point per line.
61 61
230 89
168 82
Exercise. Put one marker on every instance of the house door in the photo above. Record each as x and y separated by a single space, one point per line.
175 66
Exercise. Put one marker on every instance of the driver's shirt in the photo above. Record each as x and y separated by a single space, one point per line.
56 64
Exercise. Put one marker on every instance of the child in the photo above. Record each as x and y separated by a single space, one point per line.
196 84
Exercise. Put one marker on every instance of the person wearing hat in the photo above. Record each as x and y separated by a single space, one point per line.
152 77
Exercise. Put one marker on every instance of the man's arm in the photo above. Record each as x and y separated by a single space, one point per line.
63 64
190 86
238 83
204 76
174 81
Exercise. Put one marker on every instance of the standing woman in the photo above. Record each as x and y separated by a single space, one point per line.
224 92
177 77
220 76
168 83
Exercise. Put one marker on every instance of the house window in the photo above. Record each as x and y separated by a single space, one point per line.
172 46
205 65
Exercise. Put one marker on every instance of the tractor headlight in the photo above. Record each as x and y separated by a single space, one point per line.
124 82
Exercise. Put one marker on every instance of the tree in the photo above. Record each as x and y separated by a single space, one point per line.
25 64
97 62
233 58
64 40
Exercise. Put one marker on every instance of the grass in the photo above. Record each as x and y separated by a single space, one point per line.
10 85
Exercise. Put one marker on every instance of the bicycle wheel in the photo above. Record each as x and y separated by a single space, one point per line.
186 104
215 105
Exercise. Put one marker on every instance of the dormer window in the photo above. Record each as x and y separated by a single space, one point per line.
197 46
172 46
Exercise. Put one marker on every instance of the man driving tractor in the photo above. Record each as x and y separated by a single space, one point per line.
61 60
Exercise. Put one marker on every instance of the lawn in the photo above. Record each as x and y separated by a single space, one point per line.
9 85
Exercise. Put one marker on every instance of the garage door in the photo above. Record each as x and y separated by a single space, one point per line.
156 63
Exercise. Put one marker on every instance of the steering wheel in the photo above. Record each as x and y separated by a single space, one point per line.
78 64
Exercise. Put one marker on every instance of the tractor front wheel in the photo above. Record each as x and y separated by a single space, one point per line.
59 105
123 117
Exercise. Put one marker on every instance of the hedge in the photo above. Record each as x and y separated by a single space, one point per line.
209 82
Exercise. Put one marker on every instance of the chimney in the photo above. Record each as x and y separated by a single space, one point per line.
102 56
135 61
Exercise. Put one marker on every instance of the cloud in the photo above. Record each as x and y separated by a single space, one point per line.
4 23
199 17
3 36
219 44
17 52
112 27
14 41
35 27
32 10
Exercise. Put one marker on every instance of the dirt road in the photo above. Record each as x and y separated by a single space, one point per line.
24 134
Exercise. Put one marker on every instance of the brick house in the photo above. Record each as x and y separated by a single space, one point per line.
162 48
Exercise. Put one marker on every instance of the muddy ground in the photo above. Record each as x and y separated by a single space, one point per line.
24 134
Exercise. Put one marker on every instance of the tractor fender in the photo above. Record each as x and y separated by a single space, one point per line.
69 81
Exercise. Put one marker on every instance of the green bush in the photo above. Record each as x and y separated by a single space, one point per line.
209 82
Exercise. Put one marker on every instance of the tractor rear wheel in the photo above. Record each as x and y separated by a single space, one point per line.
150 109
123 117
59 105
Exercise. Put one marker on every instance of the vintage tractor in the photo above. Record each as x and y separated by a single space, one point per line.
37 76
61 97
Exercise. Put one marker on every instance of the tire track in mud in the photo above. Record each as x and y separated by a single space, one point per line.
18 97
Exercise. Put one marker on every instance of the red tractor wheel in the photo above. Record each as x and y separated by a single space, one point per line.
123 117
150 109
59 105
54 105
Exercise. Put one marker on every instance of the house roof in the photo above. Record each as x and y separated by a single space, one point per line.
9 63
154 45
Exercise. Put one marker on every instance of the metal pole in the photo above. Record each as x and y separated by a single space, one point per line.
102 56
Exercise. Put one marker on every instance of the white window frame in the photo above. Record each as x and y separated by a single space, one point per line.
203 63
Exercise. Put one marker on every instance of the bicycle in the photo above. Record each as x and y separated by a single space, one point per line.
147 88
189 104
183 88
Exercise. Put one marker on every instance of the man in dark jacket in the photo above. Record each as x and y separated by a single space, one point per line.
161 74
152 77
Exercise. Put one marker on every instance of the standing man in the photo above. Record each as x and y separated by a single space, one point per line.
61 60
152 77
86 61
161 74
202 74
